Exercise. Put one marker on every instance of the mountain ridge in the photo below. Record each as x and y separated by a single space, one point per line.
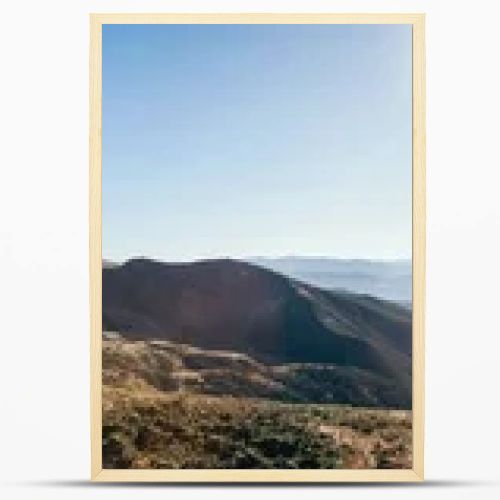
236 306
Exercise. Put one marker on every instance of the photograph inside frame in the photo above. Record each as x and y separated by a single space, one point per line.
257 246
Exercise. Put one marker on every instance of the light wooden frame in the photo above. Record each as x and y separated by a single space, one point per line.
281 475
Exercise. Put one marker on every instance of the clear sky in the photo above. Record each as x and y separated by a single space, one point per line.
245 140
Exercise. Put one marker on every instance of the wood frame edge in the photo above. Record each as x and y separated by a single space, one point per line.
247 476
95 246
257 17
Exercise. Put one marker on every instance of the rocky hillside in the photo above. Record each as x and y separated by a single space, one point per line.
174 406
295 342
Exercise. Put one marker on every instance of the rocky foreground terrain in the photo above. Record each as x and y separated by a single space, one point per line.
170 405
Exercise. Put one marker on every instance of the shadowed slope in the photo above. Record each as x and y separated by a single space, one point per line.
231 305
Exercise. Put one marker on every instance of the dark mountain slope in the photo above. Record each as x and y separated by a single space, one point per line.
231 305
171 367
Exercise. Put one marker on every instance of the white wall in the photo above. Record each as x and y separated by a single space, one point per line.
44 443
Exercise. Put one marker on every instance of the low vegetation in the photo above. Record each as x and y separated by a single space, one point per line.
160 410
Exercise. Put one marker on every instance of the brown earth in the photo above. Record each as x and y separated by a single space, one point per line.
227 305
160 411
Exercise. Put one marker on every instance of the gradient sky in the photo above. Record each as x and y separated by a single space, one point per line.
244 140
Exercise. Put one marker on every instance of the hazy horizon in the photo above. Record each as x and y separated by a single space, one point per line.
248 258
247 141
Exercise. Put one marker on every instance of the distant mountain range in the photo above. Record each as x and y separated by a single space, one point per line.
345 347
390 280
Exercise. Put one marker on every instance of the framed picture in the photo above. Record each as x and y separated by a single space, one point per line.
257 247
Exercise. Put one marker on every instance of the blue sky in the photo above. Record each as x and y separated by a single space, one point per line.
244 140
